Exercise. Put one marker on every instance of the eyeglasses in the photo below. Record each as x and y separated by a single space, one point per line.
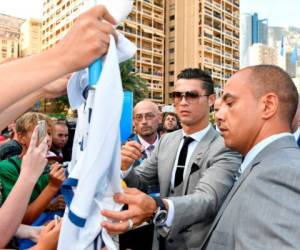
190 96
148 116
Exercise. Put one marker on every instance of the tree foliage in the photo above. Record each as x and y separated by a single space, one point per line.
133 82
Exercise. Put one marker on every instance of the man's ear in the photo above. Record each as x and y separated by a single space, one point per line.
211 100
269 104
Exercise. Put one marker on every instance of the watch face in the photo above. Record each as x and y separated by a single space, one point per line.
160 218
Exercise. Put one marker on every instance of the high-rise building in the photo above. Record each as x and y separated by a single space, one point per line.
31 37
262 54
201 33
58 17
259 30
145 27
253 30
9 36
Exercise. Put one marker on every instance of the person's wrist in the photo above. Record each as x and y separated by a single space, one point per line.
53 187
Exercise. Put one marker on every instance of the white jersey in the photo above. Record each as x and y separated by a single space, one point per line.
94 172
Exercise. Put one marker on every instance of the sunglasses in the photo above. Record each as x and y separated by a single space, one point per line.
190 96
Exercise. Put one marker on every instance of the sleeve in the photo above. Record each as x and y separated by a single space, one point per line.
8 177
272 202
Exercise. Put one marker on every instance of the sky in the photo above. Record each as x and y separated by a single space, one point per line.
278 12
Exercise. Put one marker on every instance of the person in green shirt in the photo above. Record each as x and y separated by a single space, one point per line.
50 180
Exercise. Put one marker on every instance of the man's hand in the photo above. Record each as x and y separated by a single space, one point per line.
49 237
57 176
87 40
131 152
57 204
141 207
56 88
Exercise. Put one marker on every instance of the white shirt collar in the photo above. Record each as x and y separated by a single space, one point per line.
146 144
198 135
258 148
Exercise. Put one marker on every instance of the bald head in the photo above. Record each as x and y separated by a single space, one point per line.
146 104
264 79
146 118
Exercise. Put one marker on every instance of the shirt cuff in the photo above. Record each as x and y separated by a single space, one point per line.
125 173
171 212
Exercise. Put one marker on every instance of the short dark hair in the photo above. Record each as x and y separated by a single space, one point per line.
203 76
270 78
166 114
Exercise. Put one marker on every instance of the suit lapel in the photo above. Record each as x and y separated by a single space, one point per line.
197 155
167 168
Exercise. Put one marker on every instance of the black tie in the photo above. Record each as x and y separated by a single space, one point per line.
181 161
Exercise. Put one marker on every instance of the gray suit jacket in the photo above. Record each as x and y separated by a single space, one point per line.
209 177
262 211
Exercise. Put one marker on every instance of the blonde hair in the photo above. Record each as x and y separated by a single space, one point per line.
29 120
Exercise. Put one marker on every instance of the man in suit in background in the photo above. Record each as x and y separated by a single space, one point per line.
193 167
146 119
262 211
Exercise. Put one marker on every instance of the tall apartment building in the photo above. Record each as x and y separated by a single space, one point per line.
144 27
9 36
58 17
31 37
262 54
201 33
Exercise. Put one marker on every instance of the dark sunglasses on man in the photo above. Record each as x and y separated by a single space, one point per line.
190 96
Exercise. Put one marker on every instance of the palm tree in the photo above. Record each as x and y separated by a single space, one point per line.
132 82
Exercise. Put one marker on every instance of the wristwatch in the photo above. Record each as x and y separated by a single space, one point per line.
160 214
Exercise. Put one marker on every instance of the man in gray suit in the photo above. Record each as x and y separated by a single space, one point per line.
193 167
262 211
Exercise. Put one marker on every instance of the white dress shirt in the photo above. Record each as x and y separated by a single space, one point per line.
191 148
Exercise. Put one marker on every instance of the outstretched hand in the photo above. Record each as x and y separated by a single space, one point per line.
141 208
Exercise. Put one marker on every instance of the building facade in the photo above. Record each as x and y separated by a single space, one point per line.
9 36
31 37
253 30
262 54
170 35
144 27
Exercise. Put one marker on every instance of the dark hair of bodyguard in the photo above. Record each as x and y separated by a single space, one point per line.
270 78
204 77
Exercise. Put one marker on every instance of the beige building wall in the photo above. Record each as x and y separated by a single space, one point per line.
58 17
201 33
31 37
145 27
9 36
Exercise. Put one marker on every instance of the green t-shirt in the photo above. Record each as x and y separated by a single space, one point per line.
9 173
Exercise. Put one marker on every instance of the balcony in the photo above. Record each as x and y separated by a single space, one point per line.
217 39
228 66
